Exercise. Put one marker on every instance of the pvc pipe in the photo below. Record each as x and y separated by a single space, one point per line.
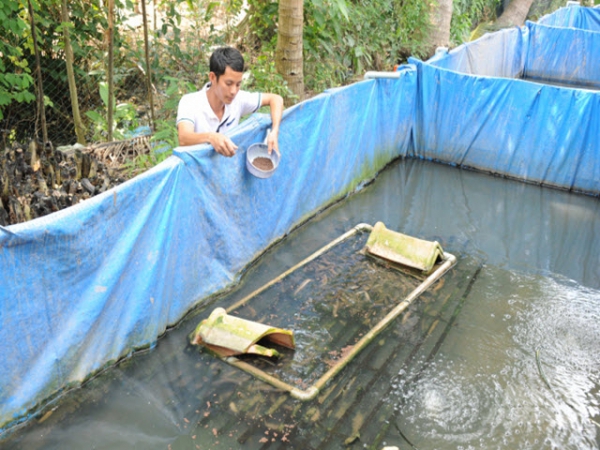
311 392
346 235
305 395
450 260
373 74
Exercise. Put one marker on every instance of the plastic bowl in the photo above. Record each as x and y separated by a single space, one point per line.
261 150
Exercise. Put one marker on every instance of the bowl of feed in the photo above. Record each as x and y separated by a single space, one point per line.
260 162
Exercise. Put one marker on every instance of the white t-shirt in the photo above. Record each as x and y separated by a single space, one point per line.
194 108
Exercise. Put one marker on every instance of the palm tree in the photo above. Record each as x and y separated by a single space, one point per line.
289 61
440 18
514 14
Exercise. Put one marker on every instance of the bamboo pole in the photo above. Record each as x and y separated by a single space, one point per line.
38 69
154 11
148 68
79 127
111 88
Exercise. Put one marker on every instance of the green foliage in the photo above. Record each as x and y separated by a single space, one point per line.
412 28
124 117
263 77
16 82
261 23
324 23
165 136
142 163
175 89
179 51
86 24
345 38
165 133
262 15
467 14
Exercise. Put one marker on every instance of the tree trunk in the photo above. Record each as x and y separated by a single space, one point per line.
289 61
514 14
79 127
148 68
38 70
440 18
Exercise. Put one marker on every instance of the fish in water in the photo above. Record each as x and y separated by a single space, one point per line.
302 286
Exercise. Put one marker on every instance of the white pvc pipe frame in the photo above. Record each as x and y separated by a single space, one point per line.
373 74
310 393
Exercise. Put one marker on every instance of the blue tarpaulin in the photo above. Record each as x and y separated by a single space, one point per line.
84 287
572 61
483 115
500 54
524 53
510 140
574 16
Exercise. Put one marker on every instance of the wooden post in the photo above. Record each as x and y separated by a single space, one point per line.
40 87
79 127
148 68
111 87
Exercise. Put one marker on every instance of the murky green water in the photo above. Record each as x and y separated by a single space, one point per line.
504 354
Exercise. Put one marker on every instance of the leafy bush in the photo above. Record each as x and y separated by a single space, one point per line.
16 82
263 77
467 14
124 117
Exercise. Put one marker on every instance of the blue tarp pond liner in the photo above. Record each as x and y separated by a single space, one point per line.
474 110
574 16
87 286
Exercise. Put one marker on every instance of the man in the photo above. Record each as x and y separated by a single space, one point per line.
204 115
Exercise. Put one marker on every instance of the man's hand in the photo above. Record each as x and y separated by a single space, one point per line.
272 142
275 102
222 144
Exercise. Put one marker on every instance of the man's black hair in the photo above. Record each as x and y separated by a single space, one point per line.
224 57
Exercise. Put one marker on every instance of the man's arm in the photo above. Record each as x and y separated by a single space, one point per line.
275 103
221 143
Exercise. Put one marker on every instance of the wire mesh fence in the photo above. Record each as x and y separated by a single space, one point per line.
21 120
40 170
179 36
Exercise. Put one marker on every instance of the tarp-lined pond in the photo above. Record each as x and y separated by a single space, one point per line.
503 352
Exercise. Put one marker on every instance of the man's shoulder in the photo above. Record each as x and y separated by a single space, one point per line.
248 100
244 92
192 95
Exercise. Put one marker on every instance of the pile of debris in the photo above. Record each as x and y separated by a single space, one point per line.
117 154
38 180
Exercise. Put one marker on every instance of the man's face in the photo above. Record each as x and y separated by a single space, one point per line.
227 86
